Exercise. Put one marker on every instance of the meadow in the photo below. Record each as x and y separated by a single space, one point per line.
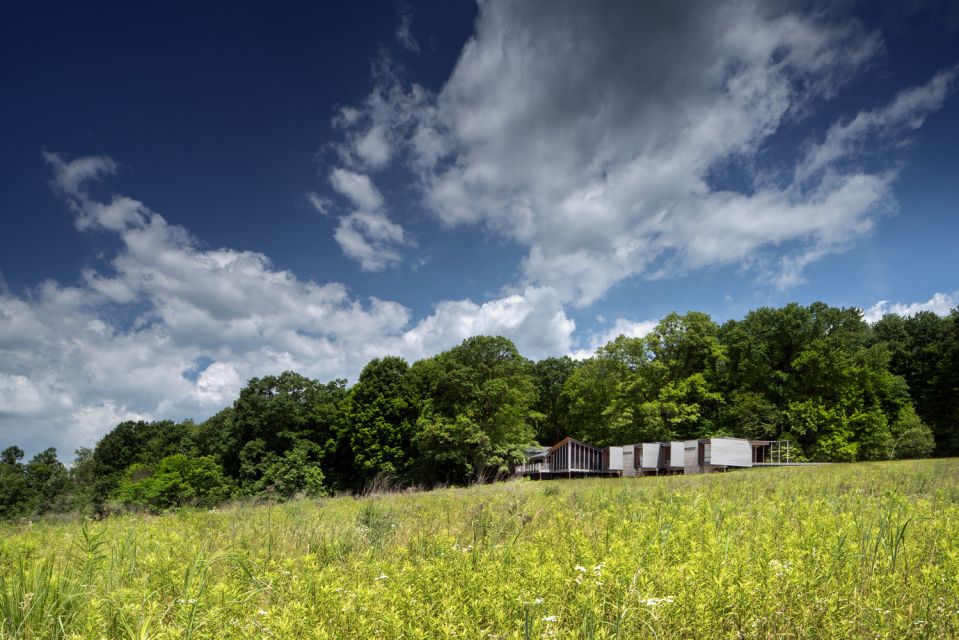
841 551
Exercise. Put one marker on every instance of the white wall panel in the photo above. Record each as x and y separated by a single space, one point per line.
730 452
650 458
677 455
615 458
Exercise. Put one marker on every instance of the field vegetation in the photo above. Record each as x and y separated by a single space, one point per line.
864 550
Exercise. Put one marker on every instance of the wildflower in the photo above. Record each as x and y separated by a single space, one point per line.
538 601
580 568
382 576
780 567
261 612
655 602
550 619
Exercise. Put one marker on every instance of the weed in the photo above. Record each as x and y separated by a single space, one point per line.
866 550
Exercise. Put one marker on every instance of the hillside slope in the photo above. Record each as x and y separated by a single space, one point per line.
865 550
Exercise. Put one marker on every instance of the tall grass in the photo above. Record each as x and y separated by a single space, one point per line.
853 551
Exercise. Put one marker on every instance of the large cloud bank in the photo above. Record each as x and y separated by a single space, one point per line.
596 135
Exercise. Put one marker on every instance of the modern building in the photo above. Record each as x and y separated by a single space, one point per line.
571 458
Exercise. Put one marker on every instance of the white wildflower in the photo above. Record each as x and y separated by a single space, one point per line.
780 567
655 602
550 619
580 568
538 601
382 576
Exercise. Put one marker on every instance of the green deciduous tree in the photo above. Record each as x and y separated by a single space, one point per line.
137 442
912 437
82 476
48 480
667 386
478 415
550 375
296 471
17 497
815 375
34 488
924 350
588 392
379 418
275 414
749 414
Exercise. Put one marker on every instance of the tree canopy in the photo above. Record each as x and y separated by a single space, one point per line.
837 387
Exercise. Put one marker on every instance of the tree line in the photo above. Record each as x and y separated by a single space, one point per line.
837 387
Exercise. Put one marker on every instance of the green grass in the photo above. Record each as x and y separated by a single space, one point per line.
851 551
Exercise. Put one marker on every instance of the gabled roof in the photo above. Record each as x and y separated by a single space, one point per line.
536 452
570 439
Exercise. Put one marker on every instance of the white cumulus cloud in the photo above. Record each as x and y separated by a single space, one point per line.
621 327
371 239
940 304
358 188
125 342
367 234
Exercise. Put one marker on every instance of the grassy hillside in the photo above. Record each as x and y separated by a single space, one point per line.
866 550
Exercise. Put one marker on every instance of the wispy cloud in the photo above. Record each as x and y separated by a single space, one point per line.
322 204
404 29
892 122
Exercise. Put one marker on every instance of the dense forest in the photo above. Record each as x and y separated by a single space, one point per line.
837 387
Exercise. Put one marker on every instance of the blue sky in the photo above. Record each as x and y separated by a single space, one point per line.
193 198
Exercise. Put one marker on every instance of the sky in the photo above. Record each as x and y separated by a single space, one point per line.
195 196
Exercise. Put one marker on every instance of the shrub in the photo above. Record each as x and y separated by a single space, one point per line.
175 481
